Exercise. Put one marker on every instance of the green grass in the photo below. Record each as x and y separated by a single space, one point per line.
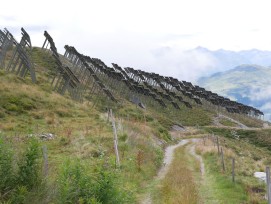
227 122
248 121
218 188
179 184
248 159
260 138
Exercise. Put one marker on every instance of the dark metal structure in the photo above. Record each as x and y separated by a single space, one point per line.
6 41
63 79
84 77
21 62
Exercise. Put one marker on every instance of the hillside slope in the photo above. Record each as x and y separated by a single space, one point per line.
57 144
78 136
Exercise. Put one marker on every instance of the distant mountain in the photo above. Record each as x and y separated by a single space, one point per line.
226 59
198 62
248 84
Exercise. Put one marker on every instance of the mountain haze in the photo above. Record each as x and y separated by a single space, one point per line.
248 84
227 59
191 64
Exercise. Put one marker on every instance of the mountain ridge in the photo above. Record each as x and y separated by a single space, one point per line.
227 59
248 84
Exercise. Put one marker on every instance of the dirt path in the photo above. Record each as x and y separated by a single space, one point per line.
217 123
169 156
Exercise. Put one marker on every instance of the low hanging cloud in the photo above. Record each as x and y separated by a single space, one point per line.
262 93
184 64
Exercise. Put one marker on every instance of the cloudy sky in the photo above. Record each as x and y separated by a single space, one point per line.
151 35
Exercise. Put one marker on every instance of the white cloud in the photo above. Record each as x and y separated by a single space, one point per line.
128 32
260 93
266 106
184 65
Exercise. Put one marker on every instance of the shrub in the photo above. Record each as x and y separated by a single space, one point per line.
6 168
164 133
77 185
74 184
28 174
107 190
18 178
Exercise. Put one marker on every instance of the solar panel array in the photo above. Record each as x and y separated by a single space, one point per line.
83 77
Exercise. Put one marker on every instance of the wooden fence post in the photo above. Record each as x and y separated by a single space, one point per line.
45 160
217 142
233 170
115 139
108 115
222 160
268 184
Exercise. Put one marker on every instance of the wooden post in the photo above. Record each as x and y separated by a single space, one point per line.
217 142
233 170
144 118
108 115
139 159
222 160
45 160
268 184
115 139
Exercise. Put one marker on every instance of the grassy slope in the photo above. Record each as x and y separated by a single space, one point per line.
257 137
227 122
248 121
83 132
249 159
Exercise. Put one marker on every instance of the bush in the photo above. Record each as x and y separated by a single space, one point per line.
164 134
28 174
74 184
77 185
6 168
18 178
